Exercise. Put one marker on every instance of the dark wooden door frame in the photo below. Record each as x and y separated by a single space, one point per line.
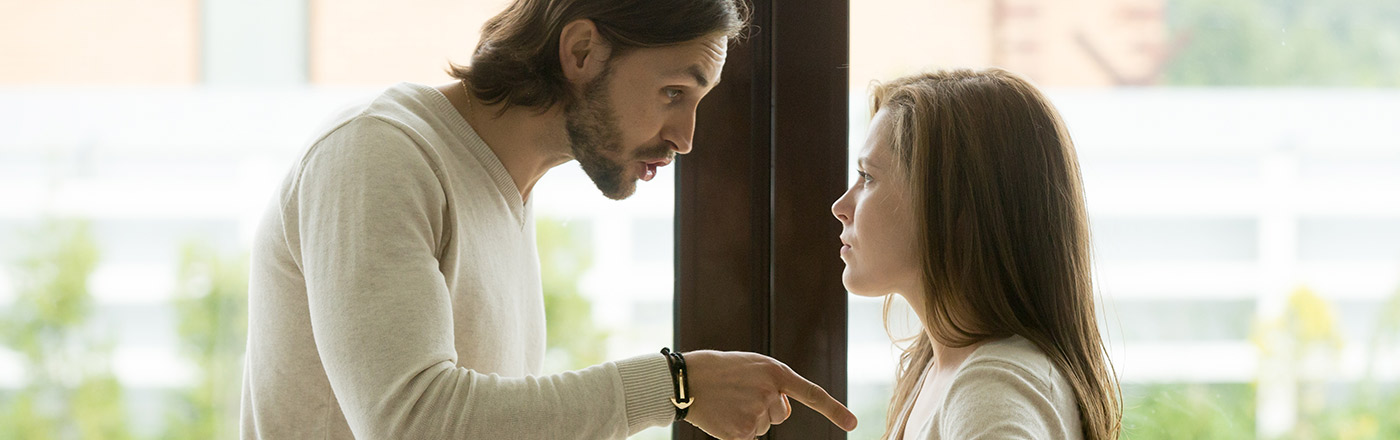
757 263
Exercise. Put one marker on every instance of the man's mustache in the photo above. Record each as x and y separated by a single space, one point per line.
659 152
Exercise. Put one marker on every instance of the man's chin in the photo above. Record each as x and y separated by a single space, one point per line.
623 191
613 180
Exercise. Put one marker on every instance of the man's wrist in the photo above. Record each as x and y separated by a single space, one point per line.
680 382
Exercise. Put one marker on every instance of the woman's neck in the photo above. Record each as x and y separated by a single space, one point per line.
946 358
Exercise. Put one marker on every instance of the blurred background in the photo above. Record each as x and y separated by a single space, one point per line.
1241 160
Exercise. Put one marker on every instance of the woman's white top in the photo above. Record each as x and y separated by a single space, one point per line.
1006 389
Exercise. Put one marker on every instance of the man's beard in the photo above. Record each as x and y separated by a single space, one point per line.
596 139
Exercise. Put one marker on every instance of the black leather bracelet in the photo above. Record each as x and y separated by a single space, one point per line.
679 382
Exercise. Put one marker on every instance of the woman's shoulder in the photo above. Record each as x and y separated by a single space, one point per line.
1009 388
1014 354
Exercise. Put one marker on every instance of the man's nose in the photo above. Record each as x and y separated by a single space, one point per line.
681 133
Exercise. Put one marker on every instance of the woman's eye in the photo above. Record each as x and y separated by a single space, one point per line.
864 177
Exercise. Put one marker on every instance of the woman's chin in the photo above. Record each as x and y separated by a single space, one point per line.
868 295
854 285
857 290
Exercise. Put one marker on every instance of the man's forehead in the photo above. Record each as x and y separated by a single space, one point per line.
711 59
703 57
716 48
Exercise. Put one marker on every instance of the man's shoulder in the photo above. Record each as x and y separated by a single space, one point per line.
358 134
362 142
401 107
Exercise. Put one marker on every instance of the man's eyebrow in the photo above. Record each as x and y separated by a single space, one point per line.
697 74
700 78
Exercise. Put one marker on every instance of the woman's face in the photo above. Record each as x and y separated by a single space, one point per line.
877 222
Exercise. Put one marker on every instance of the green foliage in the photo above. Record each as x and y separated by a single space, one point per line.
97 409
1371 418
69 391
1387 333
1372 410
1334 43
211 304
1188 411
565 254
1308 332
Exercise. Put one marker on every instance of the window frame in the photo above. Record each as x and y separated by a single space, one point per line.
756 256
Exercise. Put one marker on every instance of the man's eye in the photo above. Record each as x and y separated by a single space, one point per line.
672 93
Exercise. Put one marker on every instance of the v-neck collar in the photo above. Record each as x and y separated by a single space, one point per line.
482 152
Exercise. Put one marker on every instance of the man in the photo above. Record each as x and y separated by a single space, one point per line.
395 290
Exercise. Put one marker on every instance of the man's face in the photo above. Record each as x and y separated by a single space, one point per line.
639 113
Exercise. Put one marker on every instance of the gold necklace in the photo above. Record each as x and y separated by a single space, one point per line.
466 95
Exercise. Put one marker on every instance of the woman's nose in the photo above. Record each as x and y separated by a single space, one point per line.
841 208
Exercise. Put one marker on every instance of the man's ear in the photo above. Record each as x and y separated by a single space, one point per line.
582 51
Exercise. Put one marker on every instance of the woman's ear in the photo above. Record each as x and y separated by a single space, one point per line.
583 53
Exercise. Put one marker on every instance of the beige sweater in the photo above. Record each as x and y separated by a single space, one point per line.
395 294
1006 389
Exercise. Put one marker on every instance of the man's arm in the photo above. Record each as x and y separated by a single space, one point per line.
370 209
370 214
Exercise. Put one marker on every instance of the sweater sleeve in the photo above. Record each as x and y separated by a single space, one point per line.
368 208
999 400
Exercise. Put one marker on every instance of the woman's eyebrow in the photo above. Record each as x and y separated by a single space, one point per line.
866 163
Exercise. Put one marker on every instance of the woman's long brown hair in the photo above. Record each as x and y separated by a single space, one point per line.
1002 228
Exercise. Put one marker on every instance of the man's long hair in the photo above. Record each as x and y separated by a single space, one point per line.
517 60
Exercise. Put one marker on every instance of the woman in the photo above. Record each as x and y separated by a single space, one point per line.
969 206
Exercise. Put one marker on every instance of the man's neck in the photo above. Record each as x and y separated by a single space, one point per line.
526 141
